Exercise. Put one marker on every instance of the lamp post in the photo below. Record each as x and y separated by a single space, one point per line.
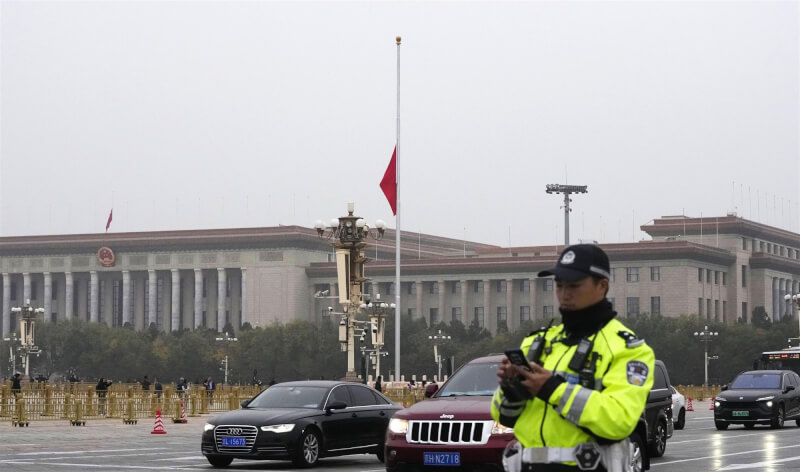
705 337
377 311
567 190
12 358
795 299
436 354
228 339
349 233
27 323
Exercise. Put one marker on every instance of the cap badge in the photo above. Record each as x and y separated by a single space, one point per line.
568 257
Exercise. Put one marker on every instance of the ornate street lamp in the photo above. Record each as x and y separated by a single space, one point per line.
795 304
436 354
705 337
377 311
349 233
228 339
27 323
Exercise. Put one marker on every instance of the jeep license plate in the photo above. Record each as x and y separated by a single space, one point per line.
233 441
741 413
442 458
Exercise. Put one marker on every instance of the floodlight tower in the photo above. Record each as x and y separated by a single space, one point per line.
567 190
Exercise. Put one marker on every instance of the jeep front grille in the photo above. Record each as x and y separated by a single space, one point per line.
449 432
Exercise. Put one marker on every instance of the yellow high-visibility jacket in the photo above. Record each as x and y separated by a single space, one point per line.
570 414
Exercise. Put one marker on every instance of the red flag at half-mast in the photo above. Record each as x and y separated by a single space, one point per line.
110 217
389 182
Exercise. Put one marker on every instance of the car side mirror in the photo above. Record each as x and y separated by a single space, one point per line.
724 387
245 403
789 388
335 406
430 389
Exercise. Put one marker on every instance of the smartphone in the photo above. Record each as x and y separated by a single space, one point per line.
517 357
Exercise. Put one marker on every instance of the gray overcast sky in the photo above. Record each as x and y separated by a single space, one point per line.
186 115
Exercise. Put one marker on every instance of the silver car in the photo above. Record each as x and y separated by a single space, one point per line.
678 408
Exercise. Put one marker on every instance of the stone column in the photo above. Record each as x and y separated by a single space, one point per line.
532 297
69 293
26 288
243 298
442 304
48 297
419 288
126 298
489 318
511 319
94 313
151 299
198 298
221 299
775 303
176 300
465 318
6 303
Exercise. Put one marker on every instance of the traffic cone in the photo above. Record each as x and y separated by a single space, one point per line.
712 403
689 407
159 426
183 414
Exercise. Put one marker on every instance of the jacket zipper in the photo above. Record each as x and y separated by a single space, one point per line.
546 403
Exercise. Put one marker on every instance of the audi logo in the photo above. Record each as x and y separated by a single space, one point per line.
235 431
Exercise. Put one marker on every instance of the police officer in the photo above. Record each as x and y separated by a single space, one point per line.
588 381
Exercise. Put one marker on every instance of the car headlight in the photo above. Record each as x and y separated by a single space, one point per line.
716 403
769 403
398 426
762 399
208 427
278 428
497 428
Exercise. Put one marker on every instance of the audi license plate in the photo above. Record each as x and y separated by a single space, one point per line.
442 458
741 413
233 441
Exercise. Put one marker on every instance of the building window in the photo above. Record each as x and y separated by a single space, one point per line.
700 274
434 288
524 314
632 274
228 287
716 310
547 310
456 310
708 276
633 306
13 291
478 320
724 310
744 276
525 285
502 317
33 290
655 305
455 287
708 308
700 307
716 277
744 312
655 273
54 290
724 278
501 286
205 292
478 286
744 244
548 285
613 273
411 287
434 316
412 312
761 246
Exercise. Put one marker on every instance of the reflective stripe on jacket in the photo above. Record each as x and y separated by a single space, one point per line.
574 414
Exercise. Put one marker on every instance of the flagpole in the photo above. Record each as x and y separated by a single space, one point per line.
397 291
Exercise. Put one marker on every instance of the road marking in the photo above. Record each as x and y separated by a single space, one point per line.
198 457
759 465
96 456
89 452
101 466
729 437
718 456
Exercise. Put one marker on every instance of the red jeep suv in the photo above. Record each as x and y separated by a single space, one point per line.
452 428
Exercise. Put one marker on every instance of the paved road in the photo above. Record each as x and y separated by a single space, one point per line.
110 445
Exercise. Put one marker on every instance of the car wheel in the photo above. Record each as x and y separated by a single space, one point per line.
749 425
636 454
720 425
777 421
681 419
219 461
659 444
308 449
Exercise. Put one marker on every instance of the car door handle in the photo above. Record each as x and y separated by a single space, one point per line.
355 415
382 413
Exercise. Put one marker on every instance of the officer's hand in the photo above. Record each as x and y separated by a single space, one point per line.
534 379
505 370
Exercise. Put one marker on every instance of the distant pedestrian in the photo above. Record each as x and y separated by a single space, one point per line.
157 387
101 388
378 386
16 385
210 386
145 384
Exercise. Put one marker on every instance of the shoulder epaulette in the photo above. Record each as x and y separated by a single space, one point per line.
543 329
630 339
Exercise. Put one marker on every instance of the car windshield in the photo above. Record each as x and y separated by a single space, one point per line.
755 381
287 396
472 379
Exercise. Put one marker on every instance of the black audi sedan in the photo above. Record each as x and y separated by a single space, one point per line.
759 397
302 422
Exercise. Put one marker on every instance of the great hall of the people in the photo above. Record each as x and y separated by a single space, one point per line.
718 268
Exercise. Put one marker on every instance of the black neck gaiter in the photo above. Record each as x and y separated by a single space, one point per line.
581 323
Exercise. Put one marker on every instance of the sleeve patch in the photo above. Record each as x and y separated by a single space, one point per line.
637 373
